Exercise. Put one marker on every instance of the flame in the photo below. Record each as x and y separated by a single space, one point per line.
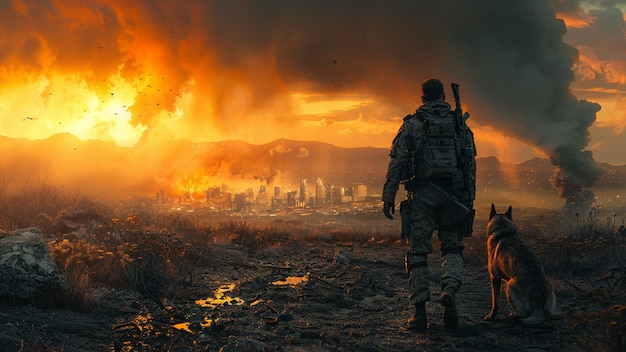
46 105
193 183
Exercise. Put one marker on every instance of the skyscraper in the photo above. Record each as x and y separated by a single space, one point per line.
320 192
303 192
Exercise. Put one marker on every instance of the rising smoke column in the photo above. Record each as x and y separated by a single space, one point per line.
519 67
575 171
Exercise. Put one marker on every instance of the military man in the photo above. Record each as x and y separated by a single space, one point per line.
433 155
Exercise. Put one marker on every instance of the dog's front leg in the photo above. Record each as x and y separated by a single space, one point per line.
496 282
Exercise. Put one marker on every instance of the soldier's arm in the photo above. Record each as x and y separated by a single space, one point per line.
399 156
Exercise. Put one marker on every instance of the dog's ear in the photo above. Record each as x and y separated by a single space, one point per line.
509 212
493 211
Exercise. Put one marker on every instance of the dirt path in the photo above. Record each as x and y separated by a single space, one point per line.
351 297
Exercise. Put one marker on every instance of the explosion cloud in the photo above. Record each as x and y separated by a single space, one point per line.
141 72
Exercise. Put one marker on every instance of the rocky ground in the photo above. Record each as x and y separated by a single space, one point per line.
315 295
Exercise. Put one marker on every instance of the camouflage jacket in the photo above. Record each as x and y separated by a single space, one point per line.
411 135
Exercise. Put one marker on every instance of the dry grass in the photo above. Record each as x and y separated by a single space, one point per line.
78 286
602 330
152 253
33 207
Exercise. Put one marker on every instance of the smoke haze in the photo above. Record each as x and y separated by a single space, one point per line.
143 72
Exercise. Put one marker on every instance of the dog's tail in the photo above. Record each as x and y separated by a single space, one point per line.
550 306
538 316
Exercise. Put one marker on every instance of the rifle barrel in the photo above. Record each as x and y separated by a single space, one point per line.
457 98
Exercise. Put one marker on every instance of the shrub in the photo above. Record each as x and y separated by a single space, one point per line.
76 291
602 330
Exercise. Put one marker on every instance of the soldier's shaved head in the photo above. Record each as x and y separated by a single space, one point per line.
432 90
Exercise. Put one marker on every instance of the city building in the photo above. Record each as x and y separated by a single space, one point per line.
320 192
303 196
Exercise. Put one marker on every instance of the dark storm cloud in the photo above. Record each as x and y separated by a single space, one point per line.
604 3
574 6
605 35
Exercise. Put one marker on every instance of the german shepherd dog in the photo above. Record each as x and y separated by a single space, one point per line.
510 260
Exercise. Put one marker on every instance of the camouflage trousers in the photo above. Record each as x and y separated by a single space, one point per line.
424 221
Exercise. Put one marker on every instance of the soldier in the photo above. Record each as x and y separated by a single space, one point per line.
433 155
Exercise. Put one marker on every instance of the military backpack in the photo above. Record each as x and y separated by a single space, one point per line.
438 158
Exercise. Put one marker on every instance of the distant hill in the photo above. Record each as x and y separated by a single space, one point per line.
102 167
536 174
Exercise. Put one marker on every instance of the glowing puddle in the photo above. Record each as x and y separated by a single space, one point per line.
184 326
292 281
221 298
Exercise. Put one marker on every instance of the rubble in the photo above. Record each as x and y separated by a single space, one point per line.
77 219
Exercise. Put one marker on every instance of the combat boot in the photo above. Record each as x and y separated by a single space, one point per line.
418 321
450 315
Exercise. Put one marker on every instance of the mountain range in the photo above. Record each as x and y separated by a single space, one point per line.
104 168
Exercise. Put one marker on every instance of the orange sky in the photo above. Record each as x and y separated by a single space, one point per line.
344 73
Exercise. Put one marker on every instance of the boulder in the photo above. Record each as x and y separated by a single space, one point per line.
26 267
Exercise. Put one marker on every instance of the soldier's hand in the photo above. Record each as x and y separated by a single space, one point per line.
388 209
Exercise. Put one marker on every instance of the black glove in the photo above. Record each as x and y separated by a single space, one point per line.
388 209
